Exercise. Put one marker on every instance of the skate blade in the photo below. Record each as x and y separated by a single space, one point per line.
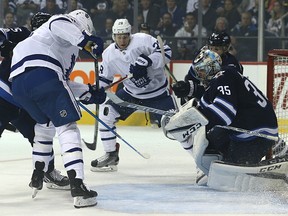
110 168
54 186
80 202
34 192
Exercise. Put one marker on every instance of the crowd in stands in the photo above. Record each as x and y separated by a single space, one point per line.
175 20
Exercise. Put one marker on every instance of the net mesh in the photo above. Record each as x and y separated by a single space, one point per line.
278 81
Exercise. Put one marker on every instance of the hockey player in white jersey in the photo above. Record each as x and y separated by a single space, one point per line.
40 71
138 54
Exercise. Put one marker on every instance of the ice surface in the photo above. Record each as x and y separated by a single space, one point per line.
161 185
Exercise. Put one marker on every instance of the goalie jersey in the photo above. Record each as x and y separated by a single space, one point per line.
232 99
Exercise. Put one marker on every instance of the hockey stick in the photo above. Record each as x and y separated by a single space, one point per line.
93 145
115 99
118 81
254 133
168 72
144 155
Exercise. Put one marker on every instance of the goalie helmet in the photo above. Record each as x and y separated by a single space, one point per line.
38 19
84 20
221 39
121 26
206 65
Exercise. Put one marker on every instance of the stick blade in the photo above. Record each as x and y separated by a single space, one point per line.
91 146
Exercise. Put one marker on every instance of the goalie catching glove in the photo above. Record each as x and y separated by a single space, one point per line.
183 89
140 68
93 95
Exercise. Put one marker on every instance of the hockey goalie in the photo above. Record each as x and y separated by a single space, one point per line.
229 130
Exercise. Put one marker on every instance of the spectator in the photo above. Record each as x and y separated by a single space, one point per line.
231 13
61 3
9 20
74 5
145 28
254 12
176 12
52 8
276 23
247 47
221 25
208 14
165 27
25 8
190 29
121 9
9 6
245 5
99 15
106 32
151 13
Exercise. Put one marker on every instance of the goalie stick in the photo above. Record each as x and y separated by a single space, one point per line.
144 155
115 99
254 133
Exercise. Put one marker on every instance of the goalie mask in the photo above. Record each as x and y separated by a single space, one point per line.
121 26
206 65
84 20
38 19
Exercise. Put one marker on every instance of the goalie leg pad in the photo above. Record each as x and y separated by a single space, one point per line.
268 175
202 160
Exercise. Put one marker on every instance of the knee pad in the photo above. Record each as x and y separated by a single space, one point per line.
109 115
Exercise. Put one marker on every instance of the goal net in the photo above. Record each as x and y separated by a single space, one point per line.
277 88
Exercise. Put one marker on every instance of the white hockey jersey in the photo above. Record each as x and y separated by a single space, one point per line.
53 45
116 61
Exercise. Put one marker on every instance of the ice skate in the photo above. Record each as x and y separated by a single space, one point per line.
201 178
106 163
37 178
83 197
54 180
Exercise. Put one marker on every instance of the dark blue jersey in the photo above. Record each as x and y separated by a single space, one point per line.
13 37
232 99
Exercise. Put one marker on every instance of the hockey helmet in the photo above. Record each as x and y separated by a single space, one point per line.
38 19
220 39
84 20
121 26
206 65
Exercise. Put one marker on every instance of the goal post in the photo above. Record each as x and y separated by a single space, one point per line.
277 87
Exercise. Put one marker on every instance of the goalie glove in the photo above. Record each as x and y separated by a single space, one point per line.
139 70
92 44
93 95
183 89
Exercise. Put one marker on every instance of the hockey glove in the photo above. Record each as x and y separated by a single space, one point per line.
92 44
93 95
139 70
183 89
6 48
